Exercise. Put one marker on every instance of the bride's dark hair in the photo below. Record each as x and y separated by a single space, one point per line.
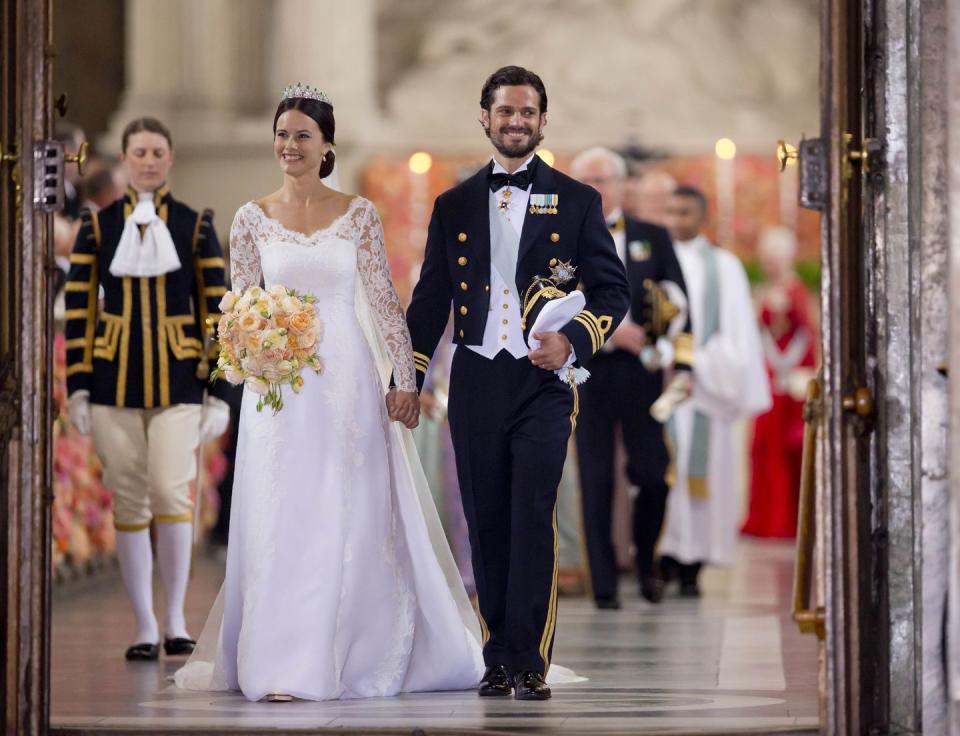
322 114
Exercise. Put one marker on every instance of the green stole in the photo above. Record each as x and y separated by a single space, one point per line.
698 461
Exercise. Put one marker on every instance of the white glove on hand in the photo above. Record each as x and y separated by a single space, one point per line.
78 407
676 392
215 418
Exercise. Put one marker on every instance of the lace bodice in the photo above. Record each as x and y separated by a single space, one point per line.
252 229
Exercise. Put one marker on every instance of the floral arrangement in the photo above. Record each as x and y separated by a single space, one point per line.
267 338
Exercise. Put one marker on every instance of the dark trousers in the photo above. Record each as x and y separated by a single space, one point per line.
619 392
510 423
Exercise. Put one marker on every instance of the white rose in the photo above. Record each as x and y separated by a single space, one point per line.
233 375
258 385
227 301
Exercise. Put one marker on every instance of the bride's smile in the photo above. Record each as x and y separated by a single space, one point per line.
299 144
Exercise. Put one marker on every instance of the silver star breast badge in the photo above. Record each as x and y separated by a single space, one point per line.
563 272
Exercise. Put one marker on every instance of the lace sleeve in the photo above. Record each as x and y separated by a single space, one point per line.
378 285
244 256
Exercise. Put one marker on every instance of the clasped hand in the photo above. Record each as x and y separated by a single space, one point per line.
553 352
404 407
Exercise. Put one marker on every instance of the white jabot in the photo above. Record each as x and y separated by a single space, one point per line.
151 254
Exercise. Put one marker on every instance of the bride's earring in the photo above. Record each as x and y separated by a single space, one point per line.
323 159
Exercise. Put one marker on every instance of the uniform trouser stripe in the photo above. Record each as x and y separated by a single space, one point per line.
550 626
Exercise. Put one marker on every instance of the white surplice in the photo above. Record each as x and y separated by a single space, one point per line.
729 383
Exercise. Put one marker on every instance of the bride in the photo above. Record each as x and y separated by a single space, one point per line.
339 582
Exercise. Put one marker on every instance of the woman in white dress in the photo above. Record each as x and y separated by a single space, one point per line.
339 583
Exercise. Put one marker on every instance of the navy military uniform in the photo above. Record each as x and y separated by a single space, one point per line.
620 392
150 345
148 350
510 421
137 370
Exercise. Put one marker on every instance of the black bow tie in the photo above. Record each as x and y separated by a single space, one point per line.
520 180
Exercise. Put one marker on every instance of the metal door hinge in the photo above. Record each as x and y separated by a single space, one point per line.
811 155
49 160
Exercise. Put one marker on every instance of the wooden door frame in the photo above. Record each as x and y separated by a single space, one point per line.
852 557
26 340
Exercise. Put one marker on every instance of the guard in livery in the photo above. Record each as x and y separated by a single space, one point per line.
137 369
510 413
627 379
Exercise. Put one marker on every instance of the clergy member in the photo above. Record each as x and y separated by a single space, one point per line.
729 383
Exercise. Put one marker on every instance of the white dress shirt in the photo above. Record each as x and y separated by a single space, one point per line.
503 330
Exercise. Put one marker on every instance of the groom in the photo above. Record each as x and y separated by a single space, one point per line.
510 415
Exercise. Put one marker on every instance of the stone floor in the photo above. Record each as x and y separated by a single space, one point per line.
731 662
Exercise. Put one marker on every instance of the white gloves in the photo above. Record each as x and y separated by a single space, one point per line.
215 418
78 407
676 392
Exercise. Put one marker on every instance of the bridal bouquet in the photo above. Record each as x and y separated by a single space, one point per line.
267 338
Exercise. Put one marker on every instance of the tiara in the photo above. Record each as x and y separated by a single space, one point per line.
305 90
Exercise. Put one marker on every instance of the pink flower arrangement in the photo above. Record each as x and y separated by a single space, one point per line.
267 338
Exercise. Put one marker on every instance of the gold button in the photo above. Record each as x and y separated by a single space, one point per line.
463 285
462 237
553 261
463 310
462 260
506 321
506 292
554 237
461 333
506 306
503 337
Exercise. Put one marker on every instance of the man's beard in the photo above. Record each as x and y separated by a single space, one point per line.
521 150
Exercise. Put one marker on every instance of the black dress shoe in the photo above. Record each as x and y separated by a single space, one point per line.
495 682
612 604
689 590
143 652
530 686
178 645
651 588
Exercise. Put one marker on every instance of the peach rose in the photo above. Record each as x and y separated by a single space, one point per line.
258 385
307 340
248 322
253 340
251 366
271 355
300 321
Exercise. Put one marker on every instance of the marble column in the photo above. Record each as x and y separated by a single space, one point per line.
332 45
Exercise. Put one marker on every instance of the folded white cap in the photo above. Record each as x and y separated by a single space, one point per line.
554 314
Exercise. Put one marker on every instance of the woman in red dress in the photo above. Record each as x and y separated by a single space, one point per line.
789 345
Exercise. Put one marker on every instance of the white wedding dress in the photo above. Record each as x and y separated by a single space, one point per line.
339 582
